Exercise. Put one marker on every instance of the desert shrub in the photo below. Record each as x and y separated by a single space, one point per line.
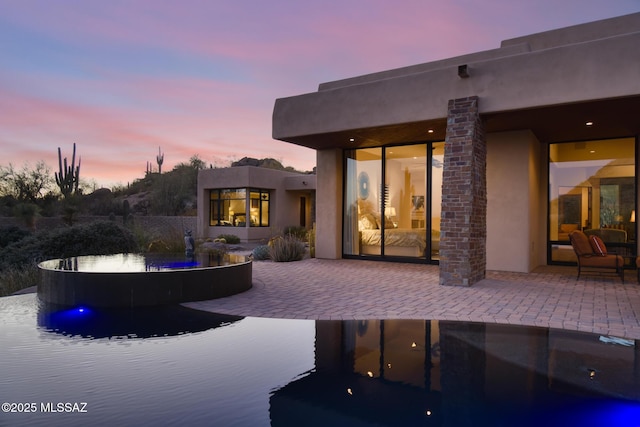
16 278
218 251
312 241
12 234
286 248
27 213
96 238
261 252
171 241
297 231
142 236
232 239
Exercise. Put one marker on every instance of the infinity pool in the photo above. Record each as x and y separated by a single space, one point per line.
176 366
142 280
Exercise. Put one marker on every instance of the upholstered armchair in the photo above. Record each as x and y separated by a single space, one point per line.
592 255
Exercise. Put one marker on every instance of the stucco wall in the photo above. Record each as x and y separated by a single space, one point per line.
329 204
538 182
286 188
513 205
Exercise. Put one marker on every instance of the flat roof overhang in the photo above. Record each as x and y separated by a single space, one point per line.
611 118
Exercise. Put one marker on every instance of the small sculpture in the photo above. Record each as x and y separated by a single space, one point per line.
189 243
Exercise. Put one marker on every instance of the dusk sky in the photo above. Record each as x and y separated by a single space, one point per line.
122 78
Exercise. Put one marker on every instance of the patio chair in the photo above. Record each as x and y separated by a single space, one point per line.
593 257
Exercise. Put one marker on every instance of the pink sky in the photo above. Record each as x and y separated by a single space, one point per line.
122 78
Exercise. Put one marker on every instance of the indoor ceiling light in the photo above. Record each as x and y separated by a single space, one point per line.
589 123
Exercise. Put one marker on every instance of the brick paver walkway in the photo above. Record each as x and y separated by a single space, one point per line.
355 289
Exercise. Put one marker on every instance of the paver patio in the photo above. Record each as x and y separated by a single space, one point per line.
355 289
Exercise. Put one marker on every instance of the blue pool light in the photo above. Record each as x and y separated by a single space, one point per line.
79 311
75 314
71 321
71 314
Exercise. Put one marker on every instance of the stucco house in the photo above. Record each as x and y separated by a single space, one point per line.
482 161
253 203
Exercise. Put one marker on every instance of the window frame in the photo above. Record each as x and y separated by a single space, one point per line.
219 205
594 217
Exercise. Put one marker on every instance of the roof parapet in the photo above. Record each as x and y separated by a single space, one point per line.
590 31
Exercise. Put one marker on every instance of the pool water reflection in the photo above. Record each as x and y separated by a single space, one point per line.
174 365
137 263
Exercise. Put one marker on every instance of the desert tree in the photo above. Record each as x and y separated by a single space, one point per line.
27 184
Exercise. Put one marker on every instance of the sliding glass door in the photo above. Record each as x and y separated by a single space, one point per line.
404 200
363 201
392 201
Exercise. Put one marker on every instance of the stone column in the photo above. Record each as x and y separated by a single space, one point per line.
463 228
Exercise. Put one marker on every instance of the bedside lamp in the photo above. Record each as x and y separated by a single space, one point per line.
390 213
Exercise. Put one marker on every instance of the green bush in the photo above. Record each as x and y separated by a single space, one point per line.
214 252
287 248
261 252
312 241
172 241
12 234
231 239
97 238
296 231
27 213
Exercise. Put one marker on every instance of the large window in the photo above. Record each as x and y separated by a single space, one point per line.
231 207
392 201
259 208
592 187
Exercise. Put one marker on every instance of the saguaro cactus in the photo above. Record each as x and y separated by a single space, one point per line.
68 177
160 159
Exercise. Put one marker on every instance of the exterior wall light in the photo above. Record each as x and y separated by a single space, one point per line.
463 71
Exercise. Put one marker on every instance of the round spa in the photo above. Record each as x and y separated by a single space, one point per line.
136 280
